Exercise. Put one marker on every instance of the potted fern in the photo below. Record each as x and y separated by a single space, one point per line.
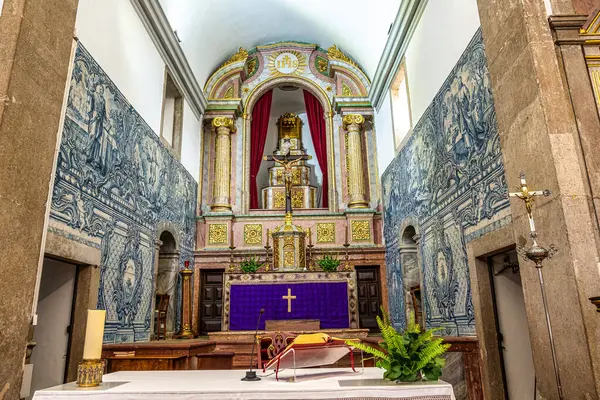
408 356
329 263
250 265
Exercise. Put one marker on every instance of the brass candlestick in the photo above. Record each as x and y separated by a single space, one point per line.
267 258
310 259
346 258
538 254
231 264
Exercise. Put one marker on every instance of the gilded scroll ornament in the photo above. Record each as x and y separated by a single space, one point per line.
326 232
241 55
252 66
322 65
224 122
336 54
253 233
217 234
361 230
353 119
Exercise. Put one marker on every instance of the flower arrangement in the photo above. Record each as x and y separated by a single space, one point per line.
328 263
408 356
250 265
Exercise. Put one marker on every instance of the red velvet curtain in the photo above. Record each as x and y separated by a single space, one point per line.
258 135
316 123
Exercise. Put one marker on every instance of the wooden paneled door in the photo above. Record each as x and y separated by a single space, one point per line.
369 296
211 301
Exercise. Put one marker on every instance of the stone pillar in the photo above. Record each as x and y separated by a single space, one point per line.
354 167
224 127
186 303
539 135
36 38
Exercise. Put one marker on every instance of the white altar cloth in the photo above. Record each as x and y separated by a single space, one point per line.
335 383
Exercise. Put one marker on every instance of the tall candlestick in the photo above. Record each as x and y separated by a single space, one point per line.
309 237
94 333
268 234
346 239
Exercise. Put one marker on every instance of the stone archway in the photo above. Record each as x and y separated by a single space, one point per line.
319 93
167 273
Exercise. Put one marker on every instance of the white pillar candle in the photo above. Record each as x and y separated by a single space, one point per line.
94 333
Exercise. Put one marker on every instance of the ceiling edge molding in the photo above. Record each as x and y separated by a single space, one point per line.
156 23
406 21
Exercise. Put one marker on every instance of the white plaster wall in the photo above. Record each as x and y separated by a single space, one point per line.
445 29
116 38
385 134
114 35
190 142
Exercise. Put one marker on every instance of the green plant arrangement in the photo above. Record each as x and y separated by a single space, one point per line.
329 263
250 265
408 356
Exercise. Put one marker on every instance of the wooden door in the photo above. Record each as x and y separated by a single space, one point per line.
369 296
211 301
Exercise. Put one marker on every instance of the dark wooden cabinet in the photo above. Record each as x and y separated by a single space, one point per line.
211 301
369 296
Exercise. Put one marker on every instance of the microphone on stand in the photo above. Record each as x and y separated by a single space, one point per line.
251 375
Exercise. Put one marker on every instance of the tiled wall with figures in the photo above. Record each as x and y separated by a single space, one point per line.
448 180
115 183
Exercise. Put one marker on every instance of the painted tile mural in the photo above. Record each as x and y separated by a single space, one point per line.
115 182
448 180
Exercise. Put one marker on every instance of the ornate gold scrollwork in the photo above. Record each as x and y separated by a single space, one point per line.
224 122
353 119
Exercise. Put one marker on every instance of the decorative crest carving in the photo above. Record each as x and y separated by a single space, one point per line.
336 54
241 55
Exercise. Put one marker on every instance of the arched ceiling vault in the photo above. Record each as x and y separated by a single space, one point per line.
212 30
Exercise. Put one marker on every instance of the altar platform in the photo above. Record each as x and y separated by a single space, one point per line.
221 385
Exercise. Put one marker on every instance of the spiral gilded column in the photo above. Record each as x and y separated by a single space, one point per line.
354 161
224 127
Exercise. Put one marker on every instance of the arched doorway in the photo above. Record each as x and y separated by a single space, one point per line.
411 274
167 276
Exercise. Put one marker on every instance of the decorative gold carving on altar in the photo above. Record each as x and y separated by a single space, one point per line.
361 230
287 63
289 126
278 199
217 234
241 55
325 232
288 257
297 198
336 54
253 233
228 93
295 177
346 91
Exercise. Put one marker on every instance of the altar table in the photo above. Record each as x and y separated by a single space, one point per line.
335 383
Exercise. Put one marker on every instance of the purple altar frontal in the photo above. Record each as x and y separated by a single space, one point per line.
325 301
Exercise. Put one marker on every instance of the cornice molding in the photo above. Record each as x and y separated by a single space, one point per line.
156 23
403 28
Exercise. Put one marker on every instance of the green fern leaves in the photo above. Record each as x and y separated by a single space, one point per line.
407 356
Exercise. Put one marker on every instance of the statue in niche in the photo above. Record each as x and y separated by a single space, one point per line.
102 146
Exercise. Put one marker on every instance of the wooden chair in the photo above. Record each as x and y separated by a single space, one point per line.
271 344
160 316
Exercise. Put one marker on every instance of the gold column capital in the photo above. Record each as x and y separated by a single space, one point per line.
353 119
224 122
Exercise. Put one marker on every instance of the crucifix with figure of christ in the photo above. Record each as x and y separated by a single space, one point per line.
287 161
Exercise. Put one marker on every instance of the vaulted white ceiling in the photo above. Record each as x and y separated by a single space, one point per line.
212 30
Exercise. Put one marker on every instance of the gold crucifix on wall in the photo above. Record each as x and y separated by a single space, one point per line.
289 299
